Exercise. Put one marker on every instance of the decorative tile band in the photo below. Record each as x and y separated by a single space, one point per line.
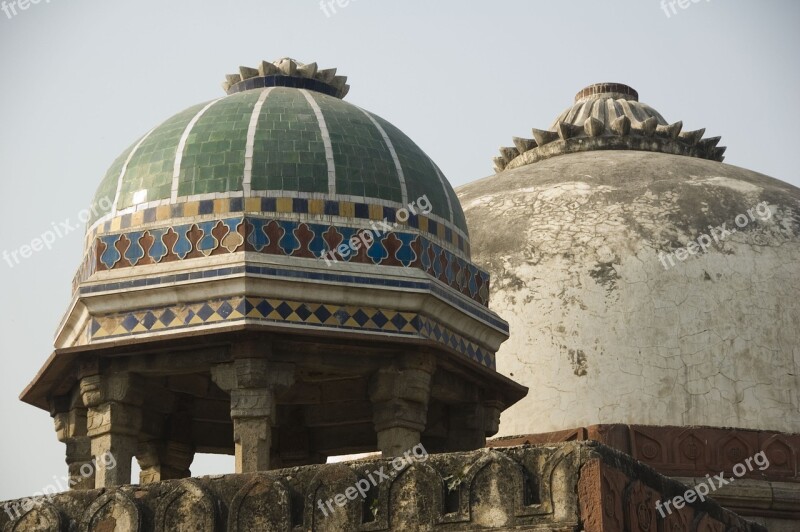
286 205
431 285
284 238
276 311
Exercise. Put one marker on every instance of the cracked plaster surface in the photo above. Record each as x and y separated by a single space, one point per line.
601 332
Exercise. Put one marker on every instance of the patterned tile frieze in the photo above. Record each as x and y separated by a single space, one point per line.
290 239
298 206
272 272
278 311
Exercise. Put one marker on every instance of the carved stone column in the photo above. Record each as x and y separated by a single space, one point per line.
166 449
471 423
400 397
69 417
164 460
252 384
113 423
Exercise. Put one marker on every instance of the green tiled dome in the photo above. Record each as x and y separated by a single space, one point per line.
281 142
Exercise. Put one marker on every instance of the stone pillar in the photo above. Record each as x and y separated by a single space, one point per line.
164 460
252 384
113 421
166 450
400 396
471 423
69 417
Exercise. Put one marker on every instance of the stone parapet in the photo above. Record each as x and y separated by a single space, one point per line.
569 486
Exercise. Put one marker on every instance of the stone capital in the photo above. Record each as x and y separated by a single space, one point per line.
400 413
391 383
491 417
70 425
117 387
252 373
113 417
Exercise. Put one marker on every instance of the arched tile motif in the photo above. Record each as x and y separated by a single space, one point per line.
377 251
109 256
159 249
426 255
333 239
304 236
230 238
436 261
135 250
207 242
289 242
473 285
274 233
256 236
410 254
182 246
347 234
318 246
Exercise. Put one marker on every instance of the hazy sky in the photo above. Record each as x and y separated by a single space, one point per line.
82 79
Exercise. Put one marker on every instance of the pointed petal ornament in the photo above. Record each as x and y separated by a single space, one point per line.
621 126
327 75
339 82
567 131
287 66
709 144
544 137
593 127
671 131
692 137
267 69
648 127
509 154
308 71
247 72
524 145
